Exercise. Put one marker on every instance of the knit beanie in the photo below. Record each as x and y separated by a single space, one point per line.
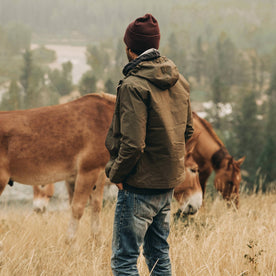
142 34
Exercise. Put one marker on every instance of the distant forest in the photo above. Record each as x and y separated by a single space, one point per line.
249 23
225 48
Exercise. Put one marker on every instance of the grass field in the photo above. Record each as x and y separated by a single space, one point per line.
216 241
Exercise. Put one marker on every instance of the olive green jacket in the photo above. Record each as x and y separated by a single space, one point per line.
151 122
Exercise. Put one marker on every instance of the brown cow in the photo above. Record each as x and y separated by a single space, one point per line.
50 144
188 194
211 154
42 195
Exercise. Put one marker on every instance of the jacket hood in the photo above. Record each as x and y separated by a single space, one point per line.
160 71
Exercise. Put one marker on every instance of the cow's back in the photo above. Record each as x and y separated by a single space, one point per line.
49 144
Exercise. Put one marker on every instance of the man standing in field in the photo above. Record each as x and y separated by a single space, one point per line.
146 140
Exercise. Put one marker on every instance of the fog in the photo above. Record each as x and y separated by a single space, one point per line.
226 49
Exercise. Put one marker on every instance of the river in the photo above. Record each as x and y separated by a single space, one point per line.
64 53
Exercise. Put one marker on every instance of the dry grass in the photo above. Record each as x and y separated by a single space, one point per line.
216 241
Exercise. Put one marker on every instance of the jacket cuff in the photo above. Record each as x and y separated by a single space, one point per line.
108 167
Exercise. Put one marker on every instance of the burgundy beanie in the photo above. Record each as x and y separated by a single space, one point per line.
142 34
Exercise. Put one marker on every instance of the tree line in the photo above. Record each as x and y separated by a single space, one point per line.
221 71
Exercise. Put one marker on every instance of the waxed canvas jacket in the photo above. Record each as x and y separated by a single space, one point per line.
151 122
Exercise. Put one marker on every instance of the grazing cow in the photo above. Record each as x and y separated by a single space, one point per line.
188 194
50 144
211 154
42 195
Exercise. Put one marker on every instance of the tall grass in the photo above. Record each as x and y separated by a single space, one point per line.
216 241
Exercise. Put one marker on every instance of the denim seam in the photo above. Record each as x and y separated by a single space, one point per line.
121 220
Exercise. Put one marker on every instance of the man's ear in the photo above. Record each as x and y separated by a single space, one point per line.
131 55
128 50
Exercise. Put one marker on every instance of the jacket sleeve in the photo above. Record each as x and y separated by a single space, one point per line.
189 126
133 122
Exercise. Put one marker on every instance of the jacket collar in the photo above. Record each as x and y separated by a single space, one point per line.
150 54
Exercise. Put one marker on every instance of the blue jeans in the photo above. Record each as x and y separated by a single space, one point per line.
141 219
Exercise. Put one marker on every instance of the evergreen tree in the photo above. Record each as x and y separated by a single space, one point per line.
120 57
220 72
61 81
177 54
87 83
44 55
11 100
14 95
268 156
198 58
26 79
98 59
110 87
248 133
32 80
18 37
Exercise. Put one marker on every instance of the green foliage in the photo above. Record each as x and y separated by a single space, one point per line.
35 90
268 156
248 134
61 81
198 60
98 58
176 52
87 83
18 37
253 257
13 38
12 100
29 80
110 87
44 55
249 23
229 59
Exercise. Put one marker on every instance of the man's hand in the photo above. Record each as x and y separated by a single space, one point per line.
120 186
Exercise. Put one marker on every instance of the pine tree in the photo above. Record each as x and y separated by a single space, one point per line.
61 81
248 130
26 79
11 100
14 94
177 54
110 87
87 83
198 58
98 59
268 156
32 80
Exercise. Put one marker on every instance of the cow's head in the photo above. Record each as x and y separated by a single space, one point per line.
228 178
189 192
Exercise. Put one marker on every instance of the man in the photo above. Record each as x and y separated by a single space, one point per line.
146 140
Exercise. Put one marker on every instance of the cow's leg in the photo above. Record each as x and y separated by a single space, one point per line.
85 182
97 202
42 195
4 180
70 185
203 176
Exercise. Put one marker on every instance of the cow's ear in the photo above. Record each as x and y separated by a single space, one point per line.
240 161
192 142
